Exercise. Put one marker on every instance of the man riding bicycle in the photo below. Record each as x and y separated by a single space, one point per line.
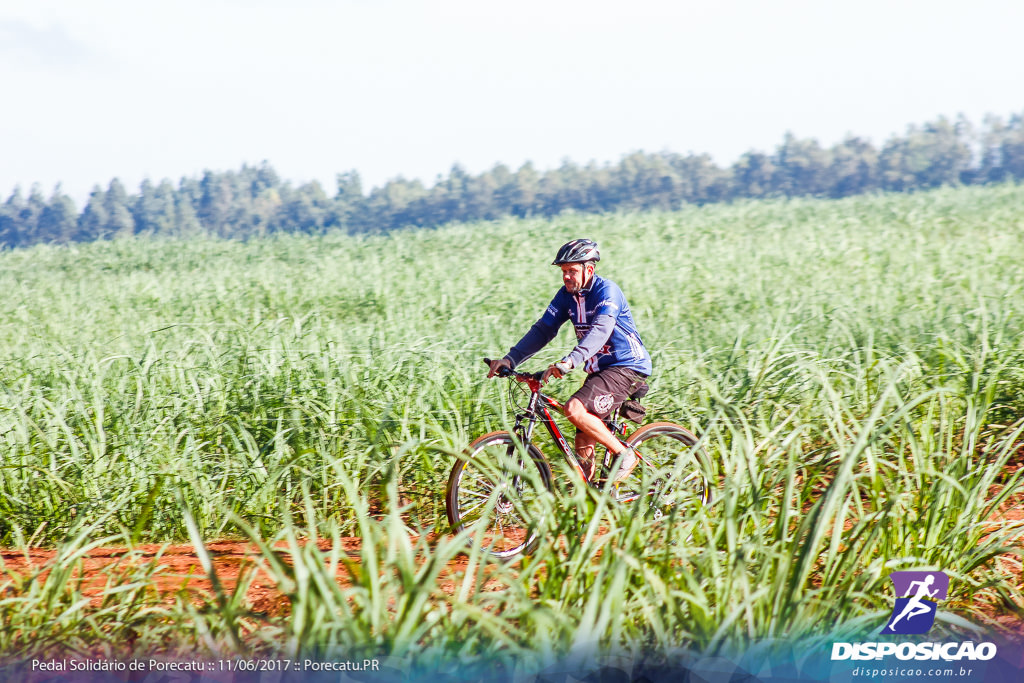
608 347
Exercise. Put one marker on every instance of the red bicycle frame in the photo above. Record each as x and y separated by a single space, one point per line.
538 409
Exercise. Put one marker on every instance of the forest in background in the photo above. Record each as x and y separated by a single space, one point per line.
255 201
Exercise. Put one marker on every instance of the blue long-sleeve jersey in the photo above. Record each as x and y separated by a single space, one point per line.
604 326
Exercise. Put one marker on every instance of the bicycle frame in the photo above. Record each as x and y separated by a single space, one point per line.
539 410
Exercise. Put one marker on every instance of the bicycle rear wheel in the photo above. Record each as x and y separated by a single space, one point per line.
494 489
674 473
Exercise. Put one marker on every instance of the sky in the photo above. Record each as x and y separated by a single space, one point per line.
133 90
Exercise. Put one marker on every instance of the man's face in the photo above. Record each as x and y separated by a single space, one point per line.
575 275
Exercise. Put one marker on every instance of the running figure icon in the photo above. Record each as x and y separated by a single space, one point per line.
915 607
917 599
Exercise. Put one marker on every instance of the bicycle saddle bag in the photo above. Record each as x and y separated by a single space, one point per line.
631 408
633 411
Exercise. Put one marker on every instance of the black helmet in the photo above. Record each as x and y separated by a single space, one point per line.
577 251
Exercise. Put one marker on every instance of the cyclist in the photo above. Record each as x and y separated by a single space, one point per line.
608 346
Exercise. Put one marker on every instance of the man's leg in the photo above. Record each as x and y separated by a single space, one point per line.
601 395
585 452
591 425
590 431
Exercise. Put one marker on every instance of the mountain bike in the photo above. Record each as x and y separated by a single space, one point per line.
495 486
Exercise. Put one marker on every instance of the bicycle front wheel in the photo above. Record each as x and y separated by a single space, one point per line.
674 474
494 490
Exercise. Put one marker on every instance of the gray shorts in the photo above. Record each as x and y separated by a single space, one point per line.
605 390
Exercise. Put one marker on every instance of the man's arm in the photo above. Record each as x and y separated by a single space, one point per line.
542 332
593 341
533 341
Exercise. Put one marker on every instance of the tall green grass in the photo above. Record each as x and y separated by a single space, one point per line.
854 368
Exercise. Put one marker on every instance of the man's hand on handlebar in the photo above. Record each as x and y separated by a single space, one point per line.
497 365
556 370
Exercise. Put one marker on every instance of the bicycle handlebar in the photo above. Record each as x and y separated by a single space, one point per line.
508 372
532 380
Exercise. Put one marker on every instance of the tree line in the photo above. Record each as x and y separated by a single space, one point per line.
255 201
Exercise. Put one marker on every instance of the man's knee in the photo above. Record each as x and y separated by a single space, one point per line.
575 410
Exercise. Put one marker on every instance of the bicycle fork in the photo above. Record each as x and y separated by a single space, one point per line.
515 455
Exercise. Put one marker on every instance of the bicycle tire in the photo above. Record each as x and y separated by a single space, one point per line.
675 472
493 489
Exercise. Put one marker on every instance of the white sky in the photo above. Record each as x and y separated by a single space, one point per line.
134 89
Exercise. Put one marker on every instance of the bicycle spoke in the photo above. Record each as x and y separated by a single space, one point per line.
673 475
470 508
493 491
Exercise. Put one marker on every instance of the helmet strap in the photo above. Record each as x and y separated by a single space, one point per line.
587 281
